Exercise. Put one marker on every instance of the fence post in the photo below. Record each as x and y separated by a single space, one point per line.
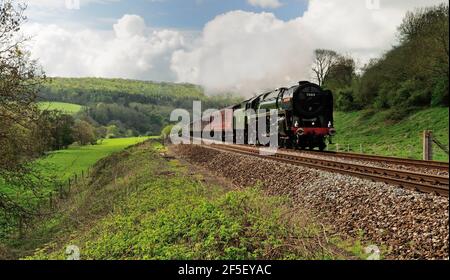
427 145
337 147
68 187
411 151
21 226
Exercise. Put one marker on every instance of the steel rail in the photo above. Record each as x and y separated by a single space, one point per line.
410 180
393 160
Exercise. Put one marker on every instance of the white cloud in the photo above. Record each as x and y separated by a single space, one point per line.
240 51
246 52
129 26
265 3
250 52
133 50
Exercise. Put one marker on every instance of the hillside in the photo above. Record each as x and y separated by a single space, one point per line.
133 107
379 134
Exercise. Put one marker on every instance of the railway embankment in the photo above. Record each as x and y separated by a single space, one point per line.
143 203
405 224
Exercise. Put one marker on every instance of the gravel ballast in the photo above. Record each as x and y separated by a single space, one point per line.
406 224
388 165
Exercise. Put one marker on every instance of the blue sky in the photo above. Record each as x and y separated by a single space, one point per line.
180 14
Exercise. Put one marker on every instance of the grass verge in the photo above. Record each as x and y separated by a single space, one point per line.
140 204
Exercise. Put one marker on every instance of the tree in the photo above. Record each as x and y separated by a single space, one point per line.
324 61
101 132
415 72
19 80
425 32
84 133
341 73
56 129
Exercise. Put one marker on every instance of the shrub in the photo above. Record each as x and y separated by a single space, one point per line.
440 93
345 100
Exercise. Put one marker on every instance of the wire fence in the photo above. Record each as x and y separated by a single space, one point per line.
63 190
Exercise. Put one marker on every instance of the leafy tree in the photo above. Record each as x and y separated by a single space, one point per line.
19 80
101 132
84 133
341 73
344 99
426 33
415 72
56 128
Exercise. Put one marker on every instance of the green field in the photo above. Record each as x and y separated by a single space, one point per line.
57 167
76 159
67 108
375 134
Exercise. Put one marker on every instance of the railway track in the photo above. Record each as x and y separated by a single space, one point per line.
394 160
420 182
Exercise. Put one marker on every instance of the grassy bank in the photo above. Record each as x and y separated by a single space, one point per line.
376 132
139 205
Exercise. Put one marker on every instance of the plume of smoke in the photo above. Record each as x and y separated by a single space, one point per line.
249 52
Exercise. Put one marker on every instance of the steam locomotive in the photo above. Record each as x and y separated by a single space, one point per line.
305 117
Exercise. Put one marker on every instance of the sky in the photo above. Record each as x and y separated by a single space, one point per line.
223 45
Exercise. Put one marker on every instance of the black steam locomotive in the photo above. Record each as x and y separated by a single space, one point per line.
305 116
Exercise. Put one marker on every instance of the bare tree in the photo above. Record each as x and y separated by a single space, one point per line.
324 61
